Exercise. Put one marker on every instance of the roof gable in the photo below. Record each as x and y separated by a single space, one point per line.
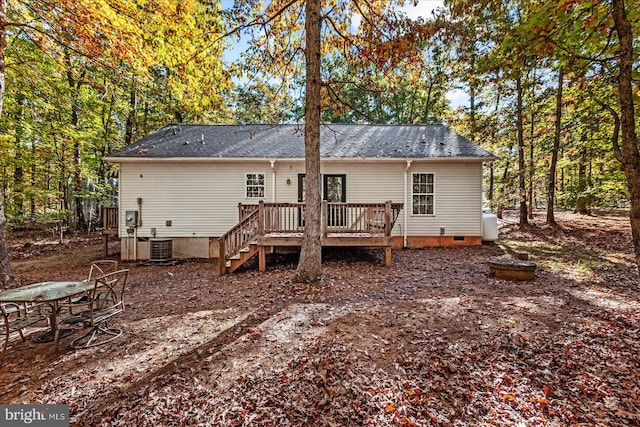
287 141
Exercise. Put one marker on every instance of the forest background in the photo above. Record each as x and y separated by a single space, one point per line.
85 78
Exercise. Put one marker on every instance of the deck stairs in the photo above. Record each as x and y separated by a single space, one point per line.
239 244
244 254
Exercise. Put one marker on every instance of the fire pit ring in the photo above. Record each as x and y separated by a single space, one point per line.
511 269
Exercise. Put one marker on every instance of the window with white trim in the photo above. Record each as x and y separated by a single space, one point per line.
254 185
422 192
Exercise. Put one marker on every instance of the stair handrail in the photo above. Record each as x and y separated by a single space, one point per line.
396 208
238 237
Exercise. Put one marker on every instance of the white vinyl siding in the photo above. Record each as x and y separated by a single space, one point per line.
200 199
458 200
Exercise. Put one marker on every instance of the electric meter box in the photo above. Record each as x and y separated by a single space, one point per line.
131 218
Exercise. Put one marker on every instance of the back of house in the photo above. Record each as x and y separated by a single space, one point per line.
182 187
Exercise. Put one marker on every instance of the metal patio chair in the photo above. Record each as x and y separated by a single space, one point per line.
16 317
81 304
106 300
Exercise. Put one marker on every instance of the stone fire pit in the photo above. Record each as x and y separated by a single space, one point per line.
512 269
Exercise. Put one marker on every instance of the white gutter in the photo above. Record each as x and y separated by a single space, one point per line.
406 203
273 180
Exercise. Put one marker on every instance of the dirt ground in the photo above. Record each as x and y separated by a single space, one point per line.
431 341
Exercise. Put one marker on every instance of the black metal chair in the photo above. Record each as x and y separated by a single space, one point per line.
106 300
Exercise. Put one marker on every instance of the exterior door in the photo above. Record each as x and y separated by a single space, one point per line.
335 191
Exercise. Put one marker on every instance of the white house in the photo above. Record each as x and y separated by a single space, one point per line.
190 184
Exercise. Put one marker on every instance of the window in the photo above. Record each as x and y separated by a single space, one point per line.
422 193
255 185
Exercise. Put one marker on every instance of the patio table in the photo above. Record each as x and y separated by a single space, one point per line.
50 293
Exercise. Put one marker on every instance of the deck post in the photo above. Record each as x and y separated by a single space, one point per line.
387 232
262 261
105 240
222 259
323 219
387 218
387 256
261 218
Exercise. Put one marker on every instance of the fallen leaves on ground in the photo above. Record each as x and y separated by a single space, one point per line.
431 341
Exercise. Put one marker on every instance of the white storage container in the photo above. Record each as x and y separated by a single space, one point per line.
489 227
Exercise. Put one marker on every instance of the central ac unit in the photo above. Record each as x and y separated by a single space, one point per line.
160 249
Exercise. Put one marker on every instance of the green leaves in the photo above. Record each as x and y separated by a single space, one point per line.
94 74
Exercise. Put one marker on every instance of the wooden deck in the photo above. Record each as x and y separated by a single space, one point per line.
268 225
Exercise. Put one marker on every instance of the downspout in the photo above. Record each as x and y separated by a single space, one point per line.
273 180
406 204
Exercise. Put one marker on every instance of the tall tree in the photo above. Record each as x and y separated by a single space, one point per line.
551 181
6 277
522 193
310 265
597 38
382 39
630 154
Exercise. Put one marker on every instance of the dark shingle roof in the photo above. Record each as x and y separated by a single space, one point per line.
287 141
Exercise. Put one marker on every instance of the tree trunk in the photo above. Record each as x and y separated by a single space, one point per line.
524 220
427 112
310 265
531 166
107 114
491 184
472 91
630 155
492 168
32 198
472 111
5 266
77 184
502 188
78 189
551 183
582 204
18 171
131 117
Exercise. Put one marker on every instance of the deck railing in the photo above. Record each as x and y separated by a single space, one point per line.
372 218
109 219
